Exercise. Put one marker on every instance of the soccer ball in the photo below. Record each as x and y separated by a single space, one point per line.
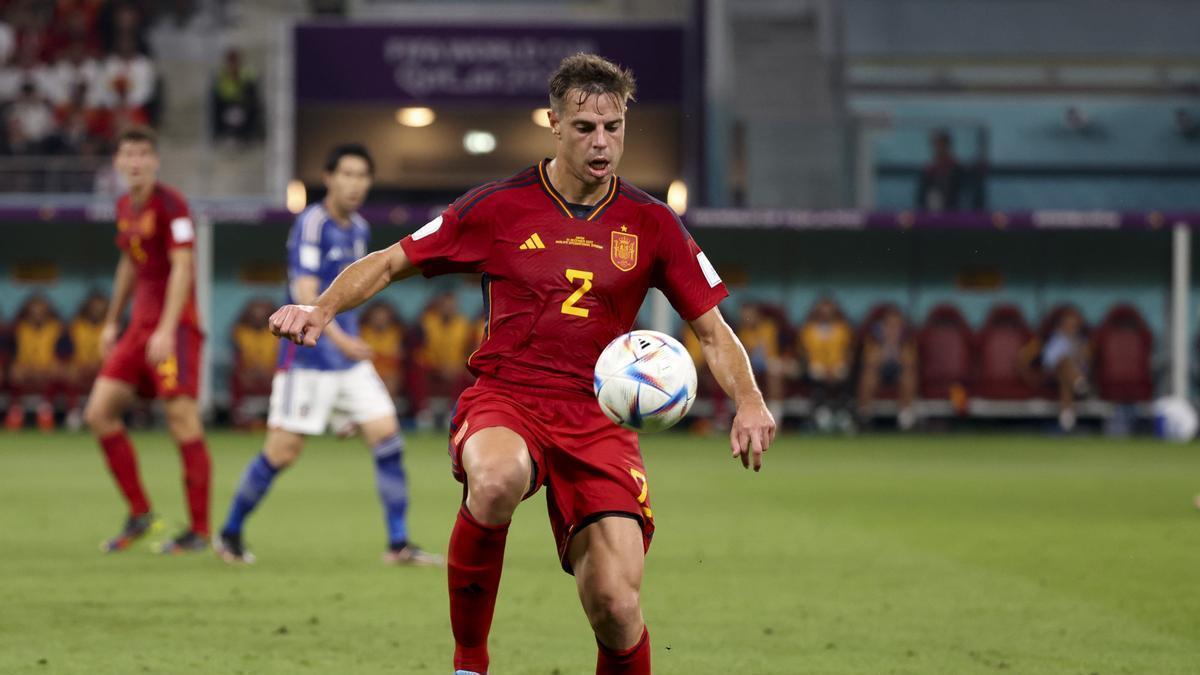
1175 419
645 381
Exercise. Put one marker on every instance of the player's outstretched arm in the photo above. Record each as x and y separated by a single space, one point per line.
753 427
355 285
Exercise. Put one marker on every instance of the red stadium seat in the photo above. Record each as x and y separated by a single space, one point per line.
944 344
1123 344
998 346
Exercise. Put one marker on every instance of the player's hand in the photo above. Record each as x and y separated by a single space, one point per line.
301 324
353 347
108 339
160 346
752 433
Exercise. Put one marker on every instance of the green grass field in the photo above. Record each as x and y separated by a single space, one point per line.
889 554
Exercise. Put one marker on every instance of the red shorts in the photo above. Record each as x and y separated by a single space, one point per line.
591 467
177 376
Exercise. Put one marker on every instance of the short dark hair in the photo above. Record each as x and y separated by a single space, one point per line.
138 133
348 150
590 74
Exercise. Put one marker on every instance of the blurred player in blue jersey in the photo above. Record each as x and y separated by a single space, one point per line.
313 384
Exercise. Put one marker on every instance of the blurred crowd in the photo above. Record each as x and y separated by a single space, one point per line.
823 372
73 73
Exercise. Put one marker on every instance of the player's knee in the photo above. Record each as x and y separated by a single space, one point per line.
614 608
283 449
100 419
184 425
493 495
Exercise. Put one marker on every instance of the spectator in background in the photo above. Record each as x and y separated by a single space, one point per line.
381 329
256 352
944 182
30 123
73 21
75 68
234 102
121 19
85 359
824 344
1065 358
126 78
760 335
448 340
889 358
36 370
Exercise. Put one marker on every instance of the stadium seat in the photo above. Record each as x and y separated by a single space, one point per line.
885 392
1123 343
945 348
998 349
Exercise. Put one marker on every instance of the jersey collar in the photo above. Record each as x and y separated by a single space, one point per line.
561 202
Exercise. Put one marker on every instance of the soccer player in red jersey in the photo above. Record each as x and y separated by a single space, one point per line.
159 353
568 252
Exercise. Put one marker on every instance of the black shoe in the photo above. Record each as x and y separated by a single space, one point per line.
135 528
187 542
231 549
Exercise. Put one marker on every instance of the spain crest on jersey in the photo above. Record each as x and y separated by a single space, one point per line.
624 251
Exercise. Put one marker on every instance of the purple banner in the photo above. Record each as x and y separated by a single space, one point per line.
443 63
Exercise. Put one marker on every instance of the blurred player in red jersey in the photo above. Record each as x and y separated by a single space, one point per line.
159 353
568 252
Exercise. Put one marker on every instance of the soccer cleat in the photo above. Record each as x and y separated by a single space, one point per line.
232 550
408 554
186 542
135 528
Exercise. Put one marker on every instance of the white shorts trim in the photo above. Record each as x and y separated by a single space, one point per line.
303 401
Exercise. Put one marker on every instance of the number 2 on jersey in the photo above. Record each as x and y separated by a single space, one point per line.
568 306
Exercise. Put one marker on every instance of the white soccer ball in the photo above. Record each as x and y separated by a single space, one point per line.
645 381
1175 419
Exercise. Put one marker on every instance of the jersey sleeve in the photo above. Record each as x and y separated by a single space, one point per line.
304 245
682 271
449 244
181 231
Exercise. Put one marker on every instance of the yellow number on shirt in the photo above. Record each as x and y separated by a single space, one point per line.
568 306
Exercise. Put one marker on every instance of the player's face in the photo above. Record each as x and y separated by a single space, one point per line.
349 183
137 162
591 135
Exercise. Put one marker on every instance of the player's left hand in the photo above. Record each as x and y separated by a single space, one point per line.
752 433
160 346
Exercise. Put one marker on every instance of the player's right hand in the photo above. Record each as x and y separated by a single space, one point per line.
301 324
108 338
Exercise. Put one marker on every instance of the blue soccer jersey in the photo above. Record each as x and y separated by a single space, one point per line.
318 246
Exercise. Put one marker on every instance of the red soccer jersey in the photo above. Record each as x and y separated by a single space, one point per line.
558 287
147 235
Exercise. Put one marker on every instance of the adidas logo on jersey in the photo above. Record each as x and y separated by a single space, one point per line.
532 243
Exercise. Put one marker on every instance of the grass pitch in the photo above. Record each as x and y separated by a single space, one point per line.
888 554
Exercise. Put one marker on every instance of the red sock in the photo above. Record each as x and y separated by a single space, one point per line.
118 452
197 470
474 563
632 661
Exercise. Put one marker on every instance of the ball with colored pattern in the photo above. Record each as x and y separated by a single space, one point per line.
645 381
